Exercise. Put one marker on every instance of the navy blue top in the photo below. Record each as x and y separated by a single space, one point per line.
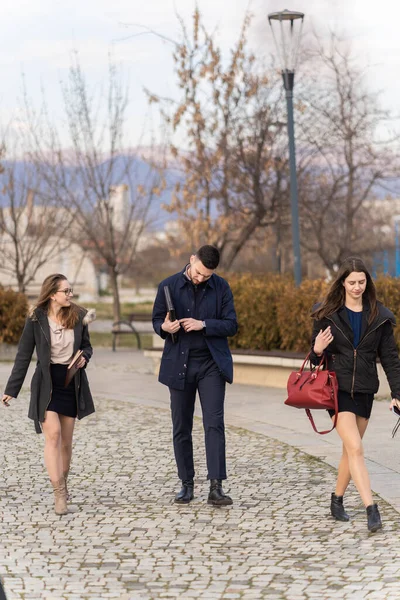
355 319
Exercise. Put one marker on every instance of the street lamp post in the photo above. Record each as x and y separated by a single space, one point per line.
396 220
289 25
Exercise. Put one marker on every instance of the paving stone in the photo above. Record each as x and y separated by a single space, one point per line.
125 538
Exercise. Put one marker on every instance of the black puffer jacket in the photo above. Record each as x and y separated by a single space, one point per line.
356 367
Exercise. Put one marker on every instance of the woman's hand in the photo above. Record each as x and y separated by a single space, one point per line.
6 400
322 341
395 403
81 362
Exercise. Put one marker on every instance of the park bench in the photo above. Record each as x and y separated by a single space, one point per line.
127 327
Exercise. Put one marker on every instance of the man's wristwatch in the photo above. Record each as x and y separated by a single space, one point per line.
204 324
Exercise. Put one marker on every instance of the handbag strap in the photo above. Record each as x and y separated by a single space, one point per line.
309 415
322 363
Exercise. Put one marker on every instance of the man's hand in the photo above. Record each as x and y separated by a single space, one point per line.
191 324
170 326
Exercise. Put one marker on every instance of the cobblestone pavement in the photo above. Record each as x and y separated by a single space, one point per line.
124 538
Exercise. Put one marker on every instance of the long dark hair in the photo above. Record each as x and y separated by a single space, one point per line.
337 294
69 315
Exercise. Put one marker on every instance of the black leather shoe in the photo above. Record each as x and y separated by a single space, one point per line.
337 509
216 495
185 495
374 518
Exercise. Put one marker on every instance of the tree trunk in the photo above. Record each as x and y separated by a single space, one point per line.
21 283
115 291
244 236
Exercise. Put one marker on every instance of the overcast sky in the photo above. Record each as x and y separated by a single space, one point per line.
38 37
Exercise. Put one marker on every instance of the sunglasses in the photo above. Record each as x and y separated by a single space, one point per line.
67 291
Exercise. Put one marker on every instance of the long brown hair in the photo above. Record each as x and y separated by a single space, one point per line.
69 315
337 294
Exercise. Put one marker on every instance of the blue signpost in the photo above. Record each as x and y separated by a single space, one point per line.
397 245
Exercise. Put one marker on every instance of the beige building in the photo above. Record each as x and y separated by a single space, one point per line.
73 263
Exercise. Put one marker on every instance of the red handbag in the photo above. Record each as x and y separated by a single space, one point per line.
313 389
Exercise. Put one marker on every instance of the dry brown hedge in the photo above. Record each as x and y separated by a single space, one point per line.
388 292
256 300
13 311
275 315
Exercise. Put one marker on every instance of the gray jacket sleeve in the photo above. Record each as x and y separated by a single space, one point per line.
26 347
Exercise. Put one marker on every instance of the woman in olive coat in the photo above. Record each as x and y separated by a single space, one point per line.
57 328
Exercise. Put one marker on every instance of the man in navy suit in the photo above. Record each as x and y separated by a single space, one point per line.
199 360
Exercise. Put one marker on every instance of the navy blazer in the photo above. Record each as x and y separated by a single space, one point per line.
216 308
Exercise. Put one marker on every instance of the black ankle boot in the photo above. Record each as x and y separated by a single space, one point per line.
216 495
186 493
337 509
374 518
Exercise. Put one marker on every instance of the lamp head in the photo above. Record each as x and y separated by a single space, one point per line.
287 26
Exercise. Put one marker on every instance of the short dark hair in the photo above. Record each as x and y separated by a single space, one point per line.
209 256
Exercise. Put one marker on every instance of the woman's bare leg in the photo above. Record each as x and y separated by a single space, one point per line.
344 477
52 448
67 432
348 430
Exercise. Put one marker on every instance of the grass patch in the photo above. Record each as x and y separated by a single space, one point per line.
104 340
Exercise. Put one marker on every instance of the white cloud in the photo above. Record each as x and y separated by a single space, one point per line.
57 53
38 37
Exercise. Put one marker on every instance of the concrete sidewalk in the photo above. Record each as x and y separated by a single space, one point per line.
127 375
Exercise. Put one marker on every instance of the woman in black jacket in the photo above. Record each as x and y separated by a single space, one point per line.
57 328
352 328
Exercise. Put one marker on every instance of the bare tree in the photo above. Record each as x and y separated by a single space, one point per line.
344 159
97 180
32 229
230 118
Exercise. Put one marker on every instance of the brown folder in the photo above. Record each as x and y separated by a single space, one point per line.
72 368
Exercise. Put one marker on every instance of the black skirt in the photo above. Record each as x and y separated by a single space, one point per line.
360 405
63 399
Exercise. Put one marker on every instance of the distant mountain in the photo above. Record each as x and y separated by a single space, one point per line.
141 173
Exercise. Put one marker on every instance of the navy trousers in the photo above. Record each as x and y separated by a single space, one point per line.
2 593
202 376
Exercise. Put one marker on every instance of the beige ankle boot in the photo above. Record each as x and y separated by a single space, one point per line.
60 497
66 487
